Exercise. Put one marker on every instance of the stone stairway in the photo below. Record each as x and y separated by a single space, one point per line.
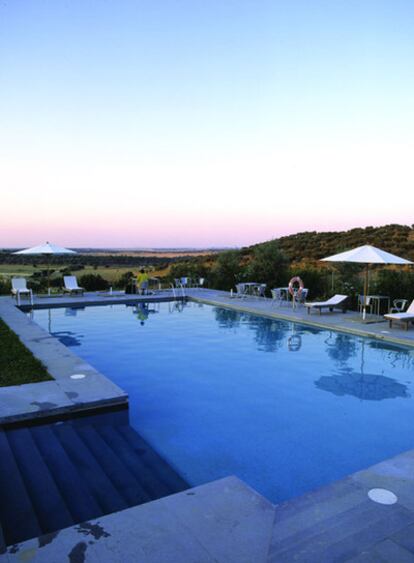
56 475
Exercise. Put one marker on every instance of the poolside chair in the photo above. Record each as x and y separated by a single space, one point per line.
19 288
367 305
398 306
336 302
71 285
302 296
404 318
154 285
277 296
260 290
241 290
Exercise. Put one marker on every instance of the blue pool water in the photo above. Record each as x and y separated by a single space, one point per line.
285 407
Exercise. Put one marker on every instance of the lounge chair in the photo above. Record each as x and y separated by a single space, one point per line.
19 288
71 285
404 318
336 302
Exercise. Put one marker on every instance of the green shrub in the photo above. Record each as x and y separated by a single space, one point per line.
125 281
317 281
93 282
188 268
268 265
396 284
227 270
5 286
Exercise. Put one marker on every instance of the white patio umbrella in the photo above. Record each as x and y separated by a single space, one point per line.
367 255
46 250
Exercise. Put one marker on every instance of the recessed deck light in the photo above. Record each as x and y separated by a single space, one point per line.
382 496
78 376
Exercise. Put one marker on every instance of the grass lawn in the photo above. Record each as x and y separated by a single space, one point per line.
111 274
17 363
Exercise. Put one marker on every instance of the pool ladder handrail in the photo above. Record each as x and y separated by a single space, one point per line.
178 286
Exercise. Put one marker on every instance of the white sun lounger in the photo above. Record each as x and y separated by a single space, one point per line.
71 285
19 288
336 302
404 318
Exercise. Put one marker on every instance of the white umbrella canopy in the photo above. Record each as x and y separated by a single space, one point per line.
46 250
367 254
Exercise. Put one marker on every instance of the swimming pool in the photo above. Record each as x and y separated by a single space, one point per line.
285 407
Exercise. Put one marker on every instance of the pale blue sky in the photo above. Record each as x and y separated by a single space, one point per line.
227 122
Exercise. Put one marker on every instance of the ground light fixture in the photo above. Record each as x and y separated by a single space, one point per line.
382 496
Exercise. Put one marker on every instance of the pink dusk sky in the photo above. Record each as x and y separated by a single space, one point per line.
211 124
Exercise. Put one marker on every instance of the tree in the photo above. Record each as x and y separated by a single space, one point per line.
268 265
226 271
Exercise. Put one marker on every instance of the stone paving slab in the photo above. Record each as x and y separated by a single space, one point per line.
386 551
396 474
339 522
223 522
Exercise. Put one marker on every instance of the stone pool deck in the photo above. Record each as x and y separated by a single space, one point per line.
350 322
223 521
227 522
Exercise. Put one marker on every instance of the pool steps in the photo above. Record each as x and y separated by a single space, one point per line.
55 475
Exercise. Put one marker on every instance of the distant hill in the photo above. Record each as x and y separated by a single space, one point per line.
308 247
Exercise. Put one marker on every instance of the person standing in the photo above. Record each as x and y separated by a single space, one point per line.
142 282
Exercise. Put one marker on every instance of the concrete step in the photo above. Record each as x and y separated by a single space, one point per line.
150 482
47 501
130 487
81 504
17 517
98 483
59 474
158 466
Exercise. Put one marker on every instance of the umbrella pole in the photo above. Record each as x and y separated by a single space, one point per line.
48 275
364 314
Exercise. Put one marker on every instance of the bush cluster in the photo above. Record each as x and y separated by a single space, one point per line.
93 282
